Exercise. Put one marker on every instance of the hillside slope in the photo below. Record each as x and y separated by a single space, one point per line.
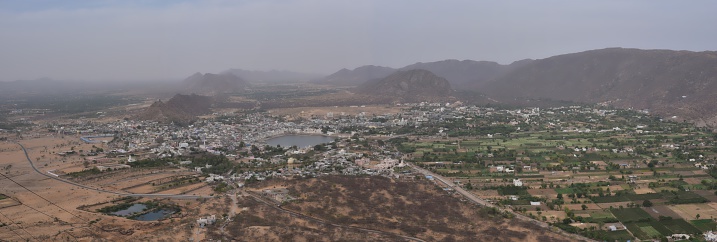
358 76
679 83
467 74
412 85
180 109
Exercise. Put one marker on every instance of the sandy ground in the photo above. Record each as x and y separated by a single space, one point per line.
690 211
554 215
614 205
48 209
590 206
644 190
549 193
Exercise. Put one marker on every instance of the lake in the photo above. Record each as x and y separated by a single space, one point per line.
300 141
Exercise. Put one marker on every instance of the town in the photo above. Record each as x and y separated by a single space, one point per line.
599 172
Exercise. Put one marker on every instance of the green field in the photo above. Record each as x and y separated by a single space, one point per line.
637 231
610 199
704 225
642 197
619 235
648 230
630 214
683 197
565 190
680 226
601 215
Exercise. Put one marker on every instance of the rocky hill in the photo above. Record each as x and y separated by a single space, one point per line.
411 85
669 83
209 83
358 76
180 109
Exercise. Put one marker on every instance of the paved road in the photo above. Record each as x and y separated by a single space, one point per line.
477 200
152 195
468 195
307 217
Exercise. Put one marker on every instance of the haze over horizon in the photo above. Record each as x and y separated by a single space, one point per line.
143 40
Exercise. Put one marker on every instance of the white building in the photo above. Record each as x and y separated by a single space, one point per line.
710 236
680 236
517 183
206 221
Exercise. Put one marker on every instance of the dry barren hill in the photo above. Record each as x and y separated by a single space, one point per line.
412 85
209 83
180 109
681 83
416 209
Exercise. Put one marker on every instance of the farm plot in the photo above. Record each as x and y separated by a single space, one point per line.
619 235
680 226
631 214
658 211
690 211
704 225
601 215
648 230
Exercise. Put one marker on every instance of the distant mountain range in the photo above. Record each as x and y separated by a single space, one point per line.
209 83
665 82
272 76
461 74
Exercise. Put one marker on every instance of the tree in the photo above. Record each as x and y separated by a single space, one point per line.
697 216
585 207
647 203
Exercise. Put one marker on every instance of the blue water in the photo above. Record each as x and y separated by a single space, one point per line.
155 215
300 141
133 209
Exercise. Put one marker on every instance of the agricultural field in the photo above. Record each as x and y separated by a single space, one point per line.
654 177
704 225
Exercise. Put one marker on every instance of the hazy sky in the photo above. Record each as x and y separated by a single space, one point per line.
125 39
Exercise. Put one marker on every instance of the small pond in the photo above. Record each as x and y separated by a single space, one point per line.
136 208
155 215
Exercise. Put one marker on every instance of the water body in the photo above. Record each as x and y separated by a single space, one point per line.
136 208
299 140
155 215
